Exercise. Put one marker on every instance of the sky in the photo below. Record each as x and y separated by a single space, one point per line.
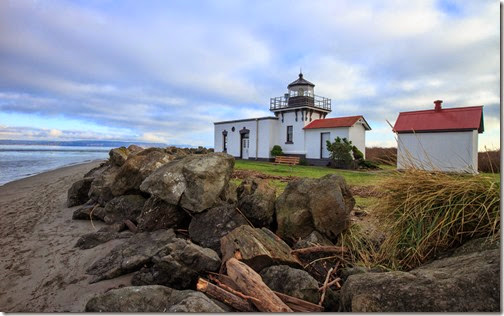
164 71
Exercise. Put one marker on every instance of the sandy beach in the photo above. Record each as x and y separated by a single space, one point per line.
40 269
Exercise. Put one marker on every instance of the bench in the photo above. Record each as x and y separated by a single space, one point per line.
287 160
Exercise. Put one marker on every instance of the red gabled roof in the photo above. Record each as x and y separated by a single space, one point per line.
336 122
453 119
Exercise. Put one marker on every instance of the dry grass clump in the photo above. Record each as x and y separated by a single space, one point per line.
426 213
489 161
361 250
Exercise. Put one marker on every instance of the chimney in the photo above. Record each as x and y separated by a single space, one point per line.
437 106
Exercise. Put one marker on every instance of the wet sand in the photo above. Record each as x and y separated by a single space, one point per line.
40 270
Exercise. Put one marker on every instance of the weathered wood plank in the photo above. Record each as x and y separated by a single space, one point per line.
251 284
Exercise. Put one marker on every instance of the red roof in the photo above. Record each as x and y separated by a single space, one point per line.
453 119
337 122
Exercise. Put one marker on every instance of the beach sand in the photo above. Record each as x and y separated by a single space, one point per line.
40 270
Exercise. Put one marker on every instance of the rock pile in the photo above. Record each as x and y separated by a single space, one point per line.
183 224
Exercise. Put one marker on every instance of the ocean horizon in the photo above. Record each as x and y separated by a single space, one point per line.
21 161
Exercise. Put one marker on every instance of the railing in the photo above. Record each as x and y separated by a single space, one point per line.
283 102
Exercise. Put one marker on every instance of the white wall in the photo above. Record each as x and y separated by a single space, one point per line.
267 137
297 146
312 137
448 151
357 134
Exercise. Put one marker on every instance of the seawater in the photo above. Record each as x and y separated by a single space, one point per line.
21 161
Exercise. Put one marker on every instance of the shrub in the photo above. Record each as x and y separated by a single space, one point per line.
428 213
276 151
368 164
357 154
303 162
340 151
381 155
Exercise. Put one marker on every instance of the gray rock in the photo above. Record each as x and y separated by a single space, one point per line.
157 214
229 194
131 255
138 167
258 248
194 182
78 192
178 265
306 205
476 245
134 148
312 240
256 200
92 240
293 282
96 171
153 299
122 208
207 228
118 156
101 187
464 283
84 212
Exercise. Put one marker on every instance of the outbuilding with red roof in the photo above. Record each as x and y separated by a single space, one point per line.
444 139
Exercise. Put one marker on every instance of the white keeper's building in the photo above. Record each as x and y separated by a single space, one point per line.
299 126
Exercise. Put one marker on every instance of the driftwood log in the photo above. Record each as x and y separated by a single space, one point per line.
220 294
296 304
251 284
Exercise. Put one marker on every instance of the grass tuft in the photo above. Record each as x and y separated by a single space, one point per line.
426 213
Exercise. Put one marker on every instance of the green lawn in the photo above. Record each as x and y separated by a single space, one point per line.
352 177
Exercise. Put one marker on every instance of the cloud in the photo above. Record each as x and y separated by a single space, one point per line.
170 70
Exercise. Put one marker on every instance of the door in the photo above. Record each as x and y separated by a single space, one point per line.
324 137
245 148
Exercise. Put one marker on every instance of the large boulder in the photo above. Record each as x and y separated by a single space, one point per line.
101 187
131 255
151 299
256 200
306 205
293 282
157 214
257 247
122 208
229 194
136 168
207 228
78 192
178 265
118 156
464 283
194 182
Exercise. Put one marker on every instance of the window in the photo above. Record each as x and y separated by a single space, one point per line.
289 135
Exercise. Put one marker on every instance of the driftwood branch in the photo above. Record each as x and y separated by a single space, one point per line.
132 227
299 305
324 287
333 282
251 284
220 294
316 249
